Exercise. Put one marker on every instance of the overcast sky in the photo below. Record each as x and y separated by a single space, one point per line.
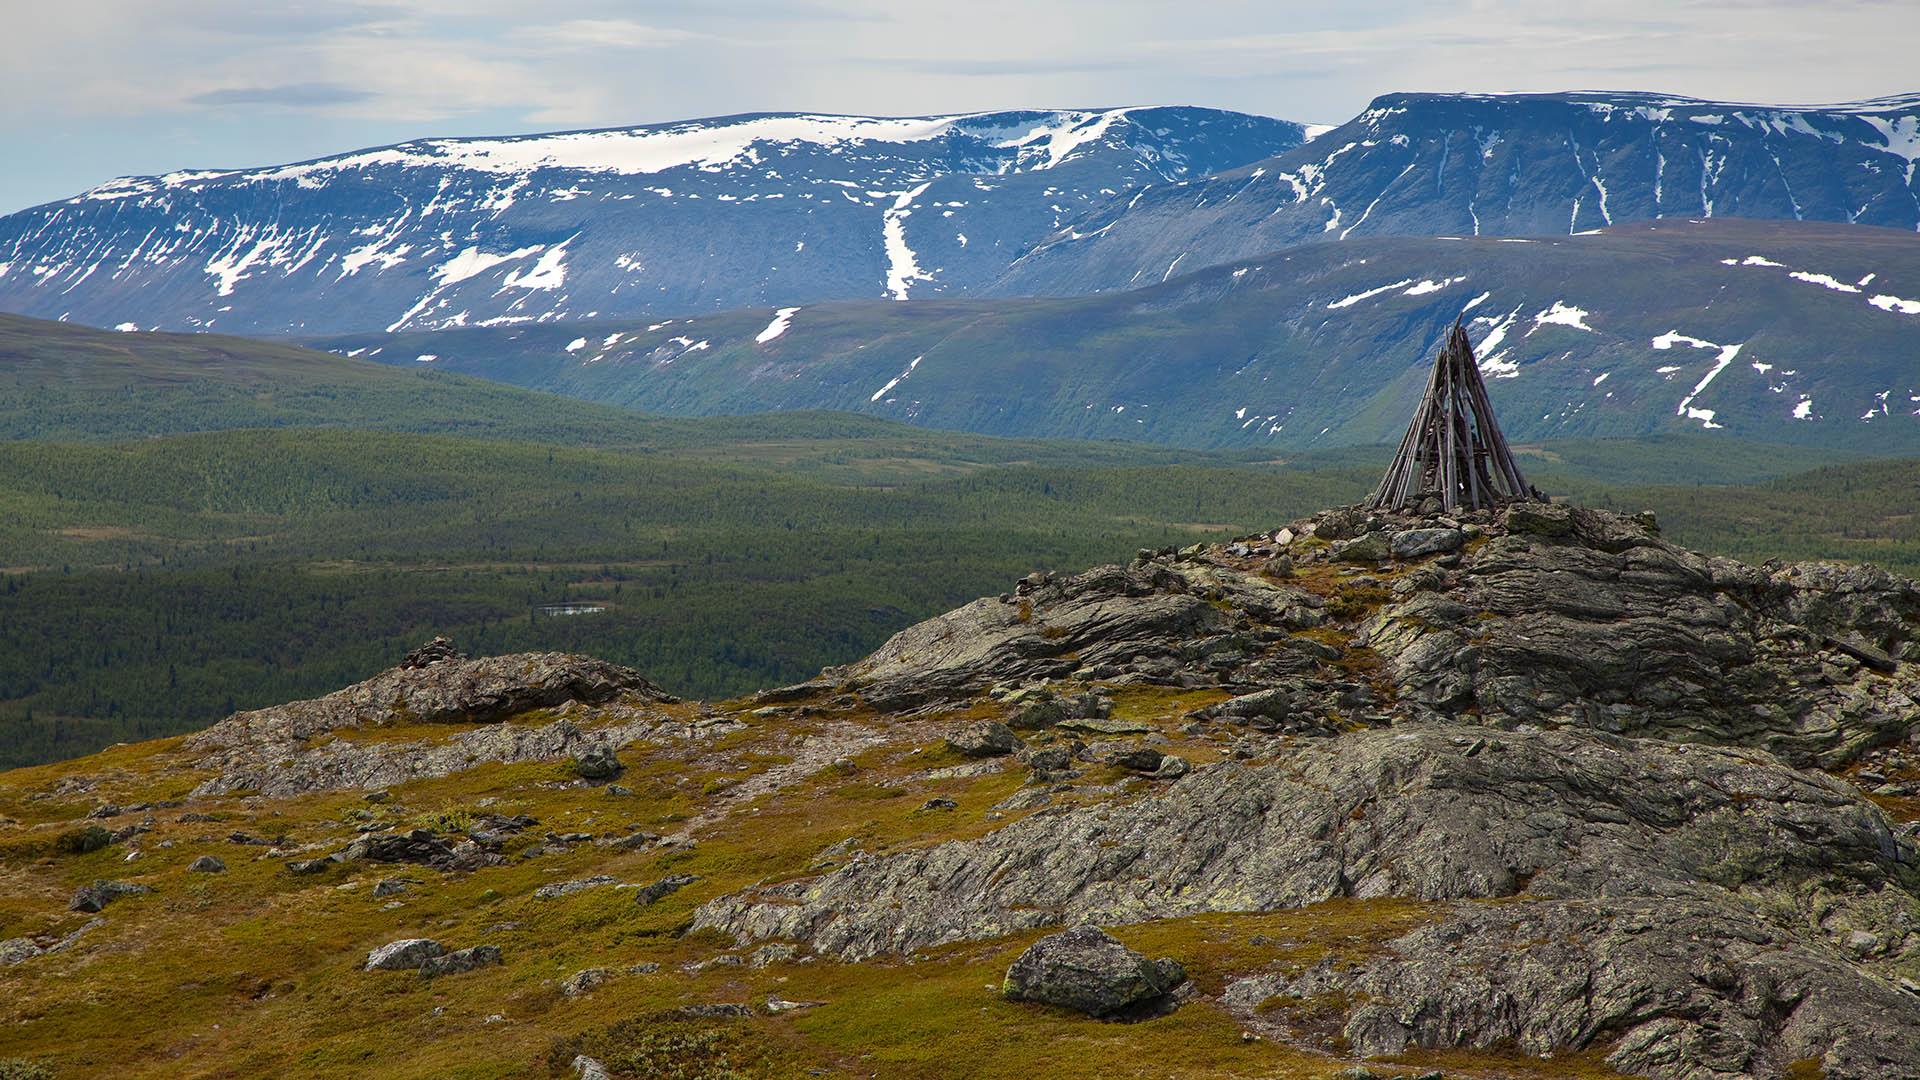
91 89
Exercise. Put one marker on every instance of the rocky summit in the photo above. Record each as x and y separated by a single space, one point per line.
1516 794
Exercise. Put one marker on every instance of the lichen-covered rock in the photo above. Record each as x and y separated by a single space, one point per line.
1413 543
1431 812
1675 987
597 762
208 864
984 739
1575 617
463 960
413 846
584 982
567 888
1194 624
654 892
407 954
292 768
94 897
1085 969
449 691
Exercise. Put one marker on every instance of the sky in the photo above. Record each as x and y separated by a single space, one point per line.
93 89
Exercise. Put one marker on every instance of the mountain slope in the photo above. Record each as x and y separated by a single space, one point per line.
59 381
1504 165
700 215
1333 789
1769 331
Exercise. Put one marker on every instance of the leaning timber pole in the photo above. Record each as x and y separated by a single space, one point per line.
1453 450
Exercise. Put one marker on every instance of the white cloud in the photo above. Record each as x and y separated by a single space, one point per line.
222 78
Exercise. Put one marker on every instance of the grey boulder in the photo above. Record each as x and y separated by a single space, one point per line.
1085 969
98 895
984 739
454 963
407 954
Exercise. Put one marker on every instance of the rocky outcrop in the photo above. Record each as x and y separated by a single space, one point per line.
290 768
1152 622
1676 987
1576 617
286 749
437 689
1544 614
1432 812
1086 970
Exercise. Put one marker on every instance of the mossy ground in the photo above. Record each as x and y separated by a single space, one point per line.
257 972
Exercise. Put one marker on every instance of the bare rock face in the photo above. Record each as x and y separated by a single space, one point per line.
1429 812
1674 894
1189 624
1086 970
1688 987
283 750
449 689
1575 617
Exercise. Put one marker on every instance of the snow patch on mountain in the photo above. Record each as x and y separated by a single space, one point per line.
781 320
903 266
1563 314
1726 356
896 380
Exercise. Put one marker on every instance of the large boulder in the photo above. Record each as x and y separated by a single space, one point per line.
463 960
407 954
984 739
1085 969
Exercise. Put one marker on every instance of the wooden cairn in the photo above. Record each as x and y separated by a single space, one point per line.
1453 450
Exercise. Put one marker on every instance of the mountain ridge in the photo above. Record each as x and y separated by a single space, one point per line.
689 215
1535 163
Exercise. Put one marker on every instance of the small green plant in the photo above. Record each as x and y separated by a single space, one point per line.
660 1046
22 1069
456 820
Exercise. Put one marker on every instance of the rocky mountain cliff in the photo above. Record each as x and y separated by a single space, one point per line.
1505 165
674 218
1524 794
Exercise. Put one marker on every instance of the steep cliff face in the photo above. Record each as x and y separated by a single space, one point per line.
1533 793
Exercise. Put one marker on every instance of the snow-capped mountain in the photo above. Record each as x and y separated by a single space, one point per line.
1772 331
1504 165
701 215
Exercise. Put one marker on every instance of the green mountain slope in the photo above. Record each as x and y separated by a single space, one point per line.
1780 332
